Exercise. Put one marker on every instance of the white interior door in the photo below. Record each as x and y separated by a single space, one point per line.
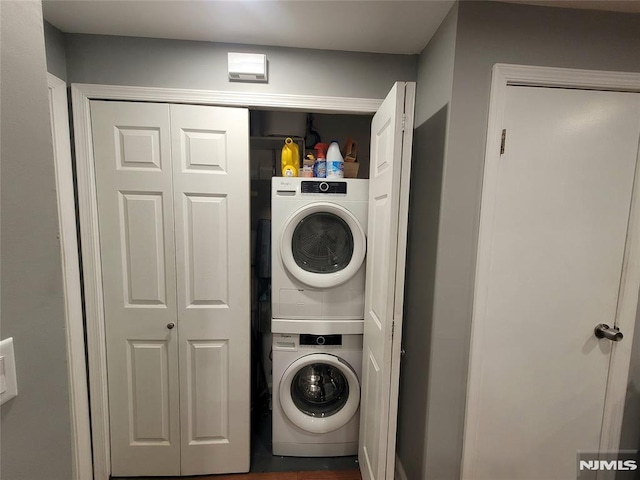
173 208
550 261
391 137
210 148
135 209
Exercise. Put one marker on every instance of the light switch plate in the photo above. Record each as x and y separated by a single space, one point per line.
8 382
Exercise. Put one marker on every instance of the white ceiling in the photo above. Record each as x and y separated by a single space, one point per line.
396 26
379 26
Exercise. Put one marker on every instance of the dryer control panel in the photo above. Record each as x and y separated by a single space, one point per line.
323 187
329 340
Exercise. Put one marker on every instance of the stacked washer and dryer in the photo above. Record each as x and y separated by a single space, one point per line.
318 279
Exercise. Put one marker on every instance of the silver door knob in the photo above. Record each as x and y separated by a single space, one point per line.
170 325
605 331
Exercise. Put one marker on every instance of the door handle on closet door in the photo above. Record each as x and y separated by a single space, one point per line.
170 325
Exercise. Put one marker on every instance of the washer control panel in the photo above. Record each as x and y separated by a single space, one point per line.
323 187
320 340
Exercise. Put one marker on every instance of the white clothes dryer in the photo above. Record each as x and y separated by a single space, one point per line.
318 247
316 394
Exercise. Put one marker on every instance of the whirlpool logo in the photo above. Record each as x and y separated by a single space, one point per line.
608 465
623 461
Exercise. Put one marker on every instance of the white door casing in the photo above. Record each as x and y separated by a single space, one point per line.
135 208
391 137
551 256
78 391
82 95
210 149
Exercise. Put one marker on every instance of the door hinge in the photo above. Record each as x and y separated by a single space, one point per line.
404 120
502 141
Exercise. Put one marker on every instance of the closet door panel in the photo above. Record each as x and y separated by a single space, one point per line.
206 251
147 363
133 172
210 147
142 230
208 381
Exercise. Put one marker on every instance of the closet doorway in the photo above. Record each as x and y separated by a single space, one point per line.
95 302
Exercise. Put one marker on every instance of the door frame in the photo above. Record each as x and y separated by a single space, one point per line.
76 364
504 75
81 95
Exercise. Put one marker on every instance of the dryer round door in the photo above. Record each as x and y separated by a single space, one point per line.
319 393
323 245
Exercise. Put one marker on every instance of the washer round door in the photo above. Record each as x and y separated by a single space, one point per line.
323 245
319 393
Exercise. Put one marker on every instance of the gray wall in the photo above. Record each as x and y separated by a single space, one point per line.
201 65
36 431
435 84
489 33
55 51
435 69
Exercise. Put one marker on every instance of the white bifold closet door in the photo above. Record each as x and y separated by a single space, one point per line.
390 170
173 207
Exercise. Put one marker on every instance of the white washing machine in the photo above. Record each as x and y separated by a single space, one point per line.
316 394
318 247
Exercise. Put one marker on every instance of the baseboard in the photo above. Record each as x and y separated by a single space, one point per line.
399 473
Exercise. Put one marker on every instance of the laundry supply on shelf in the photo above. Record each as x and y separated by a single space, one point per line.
307 166
320 167
290 159
350 158
335 162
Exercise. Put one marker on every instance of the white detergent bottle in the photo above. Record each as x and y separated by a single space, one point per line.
335 162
